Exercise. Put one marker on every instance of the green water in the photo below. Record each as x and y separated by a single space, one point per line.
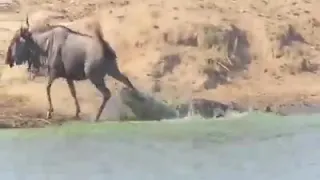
254 146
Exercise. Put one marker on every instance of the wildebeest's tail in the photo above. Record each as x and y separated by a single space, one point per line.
107 50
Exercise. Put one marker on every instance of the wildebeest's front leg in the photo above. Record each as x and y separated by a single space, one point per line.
29 70
74 95
49 84
101 86
29 65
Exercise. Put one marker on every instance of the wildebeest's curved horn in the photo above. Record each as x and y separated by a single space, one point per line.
27 21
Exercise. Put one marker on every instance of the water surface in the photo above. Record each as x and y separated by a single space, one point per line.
256 146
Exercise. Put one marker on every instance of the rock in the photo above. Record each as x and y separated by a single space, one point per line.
268 109
237 107
298 109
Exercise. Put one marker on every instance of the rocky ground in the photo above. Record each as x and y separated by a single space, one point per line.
263 54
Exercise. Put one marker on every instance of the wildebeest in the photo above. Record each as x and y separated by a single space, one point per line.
69 55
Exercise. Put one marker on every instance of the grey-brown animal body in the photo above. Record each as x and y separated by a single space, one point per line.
72 56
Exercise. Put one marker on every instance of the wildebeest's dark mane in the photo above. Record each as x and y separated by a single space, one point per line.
48 27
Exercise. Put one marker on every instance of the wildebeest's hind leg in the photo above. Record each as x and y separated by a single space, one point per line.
116 74
74 95
125 80
101 86
49 84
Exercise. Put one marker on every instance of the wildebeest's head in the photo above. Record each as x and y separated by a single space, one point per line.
19 48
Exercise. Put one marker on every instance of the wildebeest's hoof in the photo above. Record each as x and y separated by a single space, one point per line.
31 77
49 114
76 117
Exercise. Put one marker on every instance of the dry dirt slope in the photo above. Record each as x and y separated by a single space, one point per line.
257 52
